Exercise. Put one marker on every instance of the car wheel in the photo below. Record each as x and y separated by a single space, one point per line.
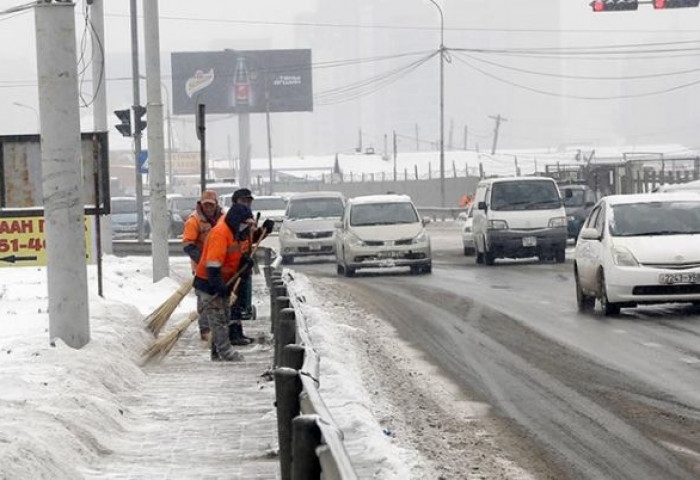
479 258
560 256
609 309
489 258
341 269
428 269
349 272
585 302
468 252
287 260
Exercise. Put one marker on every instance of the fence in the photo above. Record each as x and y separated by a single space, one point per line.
310 444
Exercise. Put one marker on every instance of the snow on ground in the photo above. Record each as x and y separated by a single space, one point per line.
402 419
59 406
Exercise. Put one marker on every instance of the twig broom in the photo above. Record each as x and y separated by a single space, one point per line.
161 347
161 315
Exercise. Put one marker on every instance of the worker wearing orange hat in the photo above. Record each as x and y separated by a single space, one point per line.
197 227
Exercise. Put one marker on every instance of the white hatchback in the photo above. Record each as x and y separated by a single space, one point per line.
639 249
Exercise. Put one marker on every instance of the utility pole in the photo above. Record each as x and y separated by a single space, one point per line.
442 103
201 128
417 138
359 140
396 154
452 134
137 125
61 168
156 143
499 119
466 138
269 136
99 95
244 149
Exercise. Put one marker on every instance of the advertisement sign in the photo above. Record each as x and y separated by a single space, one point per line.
242 81
23 242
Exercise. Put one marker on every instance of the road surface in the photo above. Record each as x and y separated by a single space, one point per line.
588 396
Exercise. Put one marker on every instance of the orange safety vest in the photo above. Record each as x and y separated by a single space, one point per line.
222 250
197 229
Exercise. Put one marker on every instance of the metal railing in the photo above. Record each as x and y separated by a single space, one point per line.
435 213
311 445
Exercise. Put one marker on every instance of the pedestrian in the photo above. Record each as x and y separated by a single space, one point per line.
206 215
222 257
246 232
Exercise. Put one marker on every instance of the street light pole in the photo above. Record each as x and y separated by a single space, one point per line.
442 102
36 113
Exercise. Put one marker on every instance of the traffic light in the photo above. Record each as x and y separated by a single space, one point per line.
139 122
662 4
615 5
124 116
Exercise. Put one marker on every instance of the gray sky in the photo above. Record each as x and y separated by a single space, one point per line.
535 119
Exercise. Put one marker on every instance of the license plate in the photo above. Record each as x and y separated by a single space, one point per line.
315 247
674 278
387 254
529 241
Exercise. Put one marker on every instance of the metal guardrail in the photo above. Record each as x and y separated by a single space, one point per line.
311 444
436 213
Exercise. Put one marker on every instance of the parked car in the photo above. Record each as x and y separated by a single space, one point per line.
124 217
382 231
467 233
579 200
693 186
519 217
637 249
309 225
179 209
270 207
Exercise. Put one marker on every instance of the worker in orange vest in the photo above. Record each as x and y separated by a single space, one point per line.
202 220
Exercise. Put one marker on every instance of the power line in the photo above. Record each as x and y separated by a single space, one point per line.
576 97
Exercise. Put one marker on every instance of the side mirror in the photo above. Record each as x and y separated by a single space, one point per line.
426 221
590 204
568 194
482 206
590 234
339 225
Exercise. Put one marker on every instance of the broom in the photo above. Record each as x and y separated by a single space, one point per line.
161 347
160 316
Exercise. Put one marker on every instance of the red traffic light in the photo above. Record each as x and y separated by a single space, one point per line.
598 6
664 4
659 3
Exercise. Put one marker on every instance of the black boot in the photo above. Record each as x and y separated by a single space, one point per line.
235 335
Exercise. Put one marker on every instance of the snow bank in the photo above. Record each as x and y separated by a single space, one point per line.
370 447
59 407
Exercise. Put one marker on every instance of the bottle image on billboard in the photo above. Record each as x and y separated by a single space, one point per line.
242 95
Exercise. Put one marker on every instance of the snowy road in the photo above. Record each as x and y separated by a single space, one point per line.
573 396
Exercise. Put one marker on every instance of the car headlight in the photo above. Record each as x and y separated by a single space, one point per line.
498 225
354 240
421 238
624 258
177 217
558 222
285 232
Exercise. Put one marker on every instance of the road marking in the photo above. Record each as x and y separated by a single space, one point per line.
652 344
620 331
691 360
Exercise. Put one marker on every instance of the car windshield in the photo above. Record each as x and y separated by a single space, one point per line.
526 195
577 199
269 204
185 203
656 218
382 214
123 206
315 208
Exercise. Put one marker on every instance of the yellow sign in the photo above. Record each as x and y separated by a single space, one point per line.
23 242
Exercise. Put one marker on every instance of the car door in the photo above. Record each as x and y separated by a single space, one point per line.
588 252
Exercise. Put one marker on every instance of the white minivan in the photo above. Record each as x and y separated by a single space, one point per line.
519 217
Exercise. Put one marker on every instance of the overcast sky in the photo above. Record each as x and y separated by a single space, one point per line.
535 119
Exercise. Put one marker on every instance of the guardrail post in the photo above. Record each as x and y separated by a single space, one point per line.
280 304
306 437
287 390
286 332
293 356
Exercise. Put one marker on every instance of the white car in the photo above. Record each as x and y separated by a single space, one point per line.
308 229
270 208
639 249
382 231
468 234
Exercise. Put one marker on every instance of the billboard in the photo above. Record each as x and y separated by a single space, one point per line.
245 81
21 181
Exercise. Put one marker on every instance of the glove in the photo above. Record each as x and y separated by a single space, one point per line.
247 263
268 225
216 282
193 252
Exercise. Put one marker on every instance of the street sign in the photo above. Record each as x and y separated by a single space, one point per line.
143 161
23 242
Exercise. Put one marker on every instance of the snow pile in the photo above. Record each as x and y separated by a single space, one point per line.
371 448
59 407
